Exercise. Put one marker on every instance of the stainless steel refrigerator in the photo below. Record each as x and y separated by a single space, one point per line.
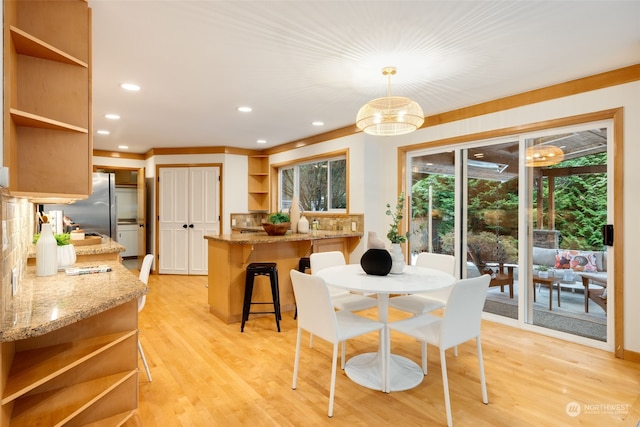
97 214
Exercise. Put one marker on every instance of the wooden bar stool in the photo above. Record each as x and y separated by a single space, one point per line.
261 269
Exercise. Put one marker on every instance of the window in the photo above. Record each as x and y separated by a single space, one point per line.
319 185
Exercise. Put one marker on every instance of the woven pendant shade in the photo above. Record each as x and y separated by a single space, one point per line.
390 115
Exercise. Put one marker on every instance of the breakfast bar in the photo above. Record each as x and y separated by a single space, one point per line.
230 254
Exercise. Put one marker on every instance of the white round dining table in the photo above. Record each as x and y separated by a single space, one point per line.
369 369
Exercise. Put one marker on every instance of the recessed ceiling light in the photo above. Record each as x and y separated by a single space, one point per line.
112 116
103 132
245 109
317 123
261 141
130 86
123 147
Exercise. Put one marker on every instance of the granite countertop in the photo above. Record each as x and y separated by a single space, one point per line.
262 237
108 246
44 304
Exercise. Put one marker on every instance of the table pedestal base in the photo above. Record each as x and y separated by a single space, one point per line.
366 370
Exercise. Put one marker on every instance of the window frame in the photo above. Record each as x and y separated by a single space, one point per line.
276 170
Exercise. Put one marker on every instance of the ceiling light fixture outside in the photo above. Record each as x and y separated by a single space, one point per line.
543 155
390 115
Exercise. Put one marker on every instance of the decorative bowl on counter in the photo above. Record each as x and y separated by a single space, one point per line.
276 229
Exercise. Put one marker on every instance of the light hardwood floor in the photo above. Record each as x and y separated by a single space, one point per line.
207 373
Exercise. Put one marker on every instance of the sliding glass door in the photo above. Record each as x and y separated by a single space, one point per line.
529 210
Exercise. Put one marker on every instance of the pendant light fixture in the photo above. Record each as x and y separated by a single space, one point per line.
542 155
390 115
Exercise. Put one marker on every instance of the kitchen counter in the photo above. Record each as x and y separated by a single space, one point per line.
230 254
69 349
44 304
108 250
259 237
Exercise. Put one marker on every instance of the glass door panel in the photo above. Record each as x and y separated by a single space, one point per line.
568 197
432 203
492 222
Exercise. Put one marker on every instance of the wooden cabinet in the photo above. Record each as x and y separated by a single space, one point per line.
81 374
47 98
258 183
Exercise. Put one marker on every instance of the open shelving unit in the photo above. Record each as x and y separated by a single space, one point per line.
47 105
258 183
84 373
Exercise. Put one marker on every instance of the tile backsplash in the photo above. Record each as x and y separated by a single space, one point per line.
326 220
16 234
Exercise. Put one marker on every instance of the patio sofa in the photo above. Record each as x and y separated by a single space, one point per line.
590 266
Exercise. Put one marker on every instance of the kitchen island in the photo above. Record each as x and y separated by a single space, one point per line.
230 254
69 348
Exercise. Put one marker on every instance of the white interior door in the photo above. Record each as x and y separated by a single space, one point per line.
204 214
173 221
189 209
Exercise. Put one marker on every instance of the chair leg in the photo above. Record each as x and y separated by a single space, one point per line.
296 361
343 355
334 366
445 385
483 382
144 361
424 357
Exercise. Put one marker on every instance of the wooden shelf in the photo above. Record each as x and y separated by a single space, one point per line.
83 373
26 44
47 102
72 400
258 184
22 118
35 367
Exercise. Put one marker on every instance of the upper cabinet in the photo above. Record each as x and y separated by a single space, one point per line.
47 104
258 183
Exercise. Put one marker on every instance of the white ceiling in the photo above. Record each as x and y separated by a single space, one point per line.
295 62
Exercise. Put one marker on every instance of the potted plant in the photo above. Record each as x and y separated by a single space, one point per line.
66 251
543 271
278 224
394 235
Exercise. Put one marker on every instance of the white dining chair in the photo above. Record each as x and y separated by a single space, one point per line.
427 301
317 316
145 269
460 323
342 299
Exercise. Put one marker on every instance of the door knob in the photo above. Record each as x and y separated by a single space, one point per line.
190 225
184 225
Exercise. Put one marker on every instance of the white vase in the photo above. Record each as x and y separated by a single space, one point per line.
303 225
46 252
294 214
66 256
397 259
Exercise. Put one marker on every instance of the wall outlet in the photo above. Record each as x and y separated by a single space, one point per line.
353 226
14 281
233 222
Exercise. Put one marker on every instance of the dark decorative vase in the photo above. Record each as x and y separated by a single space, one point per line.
376 262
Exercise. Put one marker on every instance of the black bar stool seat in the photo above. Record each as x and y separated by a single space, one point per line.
261 269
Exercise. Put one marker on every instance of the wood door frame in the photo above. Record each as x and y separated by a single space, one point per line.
617 117
156 242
